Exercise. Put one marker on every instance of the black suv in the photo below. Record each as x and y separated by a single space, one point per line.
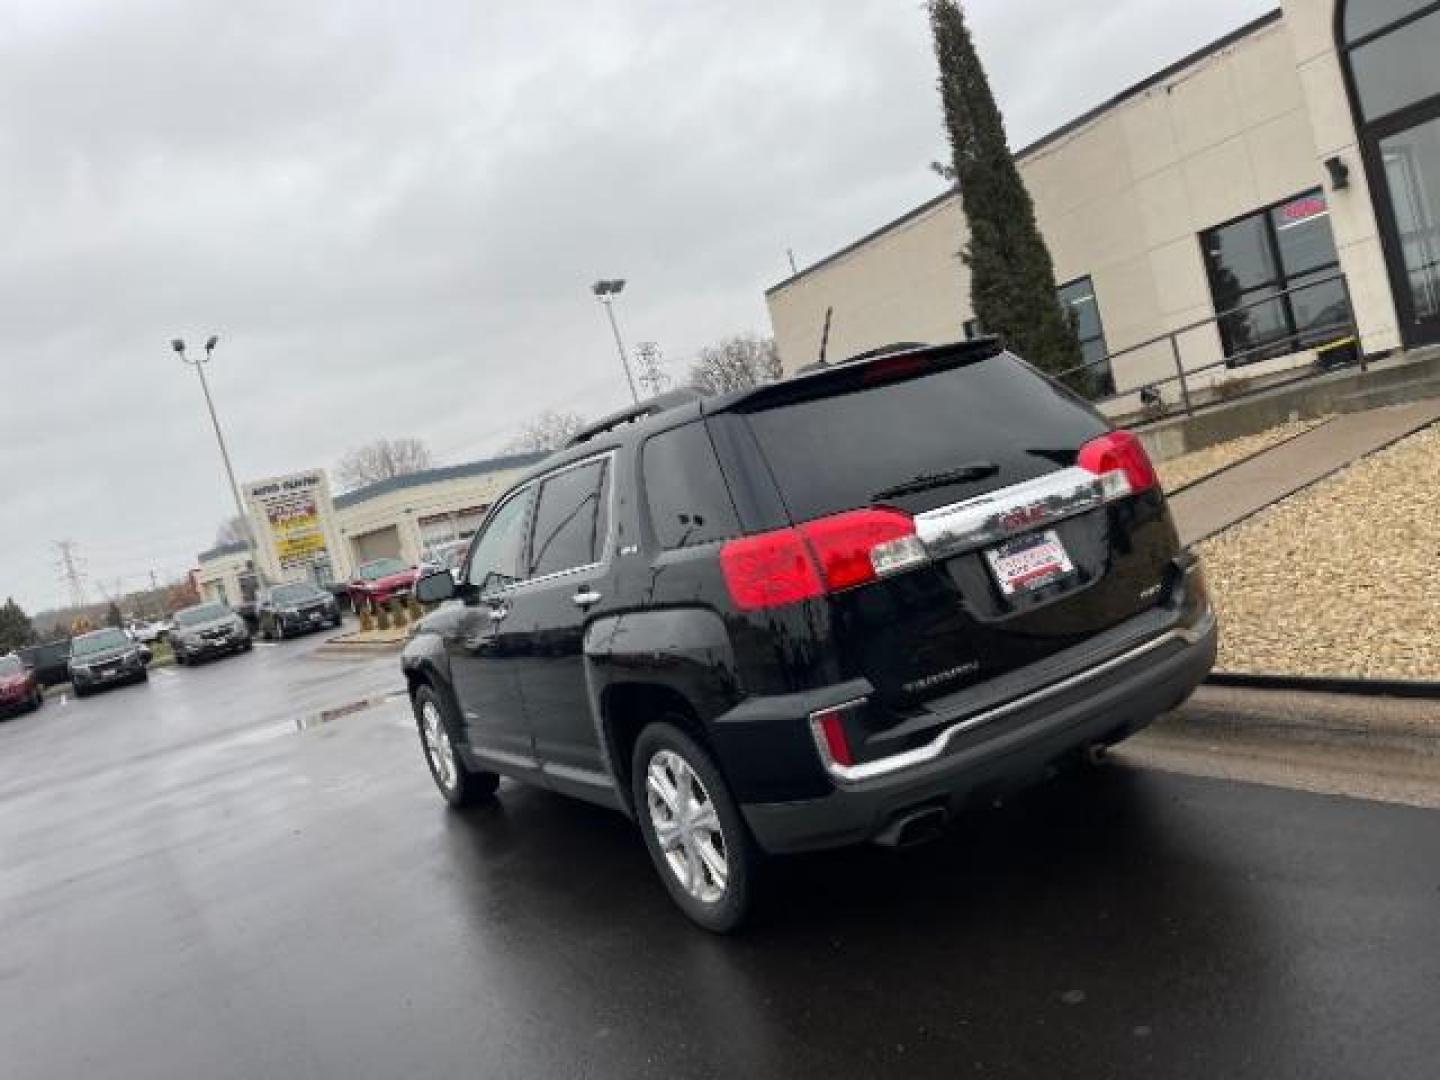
826 610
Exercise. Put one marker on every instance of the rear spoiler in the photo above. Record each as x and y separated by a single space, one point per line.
879 365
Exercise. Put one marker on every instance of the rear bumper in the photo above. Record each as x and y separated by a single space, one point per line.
990 754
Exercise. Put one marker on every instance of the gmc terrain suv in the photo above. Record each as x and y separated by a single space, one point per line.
826 610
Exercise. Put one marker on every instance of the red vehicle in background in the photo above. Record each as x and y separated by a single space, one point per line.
19 689
380 580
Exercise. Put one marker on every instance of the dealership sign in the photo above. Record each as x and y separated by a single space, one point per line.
294 509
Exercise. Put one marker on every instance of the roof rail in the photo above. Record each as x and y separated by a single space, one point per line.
650 407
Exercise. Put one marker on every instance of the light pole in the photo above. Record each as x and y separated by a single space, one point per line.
605 291
178 344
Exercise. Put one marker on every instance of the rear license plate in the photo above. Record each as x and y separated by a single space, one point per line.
1027 562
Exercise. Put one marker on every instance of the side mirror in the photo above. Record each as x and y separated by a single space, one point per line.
435 587
146 655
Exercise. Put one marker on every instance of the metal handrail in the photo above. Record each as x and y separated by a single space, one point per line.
1314 335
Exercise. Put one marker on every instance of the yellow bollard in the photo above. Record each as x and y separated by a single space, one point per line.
382 616
400 612
366 622
416 611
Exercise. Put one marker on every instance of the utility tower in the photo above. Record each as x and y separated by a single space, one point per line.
647 361
71 569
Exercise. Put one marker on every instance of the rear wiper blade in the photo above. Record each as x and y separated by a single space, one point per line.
975 470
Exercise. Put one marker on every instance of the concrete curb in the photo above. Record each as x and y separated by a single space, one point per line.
1329 684
333 647
335 712
1312 714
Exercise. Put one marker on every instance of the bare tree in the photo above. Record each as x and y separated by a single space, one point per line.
381 460
735 363
233 530
548 431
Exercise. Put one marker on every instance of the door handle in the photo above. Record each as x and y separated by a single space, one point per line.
585 597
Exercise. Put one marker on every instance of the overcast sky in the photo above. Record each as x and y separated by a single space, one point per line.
391 213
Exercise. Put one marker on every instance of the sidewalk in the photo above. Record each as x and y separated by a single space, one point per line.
1211 505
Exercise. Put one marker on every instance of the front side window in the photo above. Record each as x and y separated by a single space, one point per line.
570 521
1286 248
495 563
1077 300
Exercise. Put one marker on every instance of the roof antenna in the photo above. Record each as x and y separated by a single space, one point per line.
825 334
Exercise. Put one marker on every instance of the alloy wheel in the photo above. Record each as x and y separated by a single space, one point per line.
687 826
437 746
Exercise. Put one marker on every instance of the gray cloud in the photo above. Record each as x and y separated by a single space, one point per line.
392 213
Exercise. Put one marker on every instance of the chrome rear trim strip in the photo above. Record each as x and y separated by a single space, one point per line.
868 770
988 519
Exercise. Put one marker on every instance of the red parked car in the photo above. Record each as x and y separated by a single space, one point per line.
19 690
381 579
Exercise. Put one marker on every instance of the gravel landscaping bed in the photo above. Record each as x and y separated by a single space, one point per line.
1340 578
1187 468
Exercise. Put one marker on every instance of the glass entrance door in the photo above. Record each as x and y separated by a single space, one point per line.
1410 160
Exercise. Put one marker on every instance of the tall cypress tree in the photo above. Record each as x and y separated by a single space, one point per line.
1012 281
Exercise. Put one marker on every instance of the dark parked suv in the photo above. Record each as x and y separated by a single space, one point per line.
826 610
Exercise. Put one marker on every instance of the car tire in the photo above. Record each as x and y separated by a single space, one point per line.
78 691
459 785
712 903
38 700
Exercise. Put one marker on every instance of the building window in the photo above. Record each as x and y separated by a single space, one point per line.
1283 247
1077 300
1391 49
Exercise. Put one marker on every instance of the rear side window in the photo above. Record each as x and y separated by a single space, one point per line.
569 521
687 498
850 448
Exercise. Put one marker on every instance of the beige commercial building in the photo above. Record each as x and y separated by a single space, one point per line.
404 517
1290 171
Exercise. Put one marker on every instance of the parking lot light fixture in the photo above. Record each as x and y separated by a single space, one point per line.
606 290
178 344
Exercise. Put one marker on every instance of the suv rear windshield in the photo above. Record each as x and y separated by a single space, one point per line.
843 449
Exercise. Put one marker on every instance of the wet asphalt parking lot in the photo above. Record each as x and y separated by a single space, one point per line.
192 886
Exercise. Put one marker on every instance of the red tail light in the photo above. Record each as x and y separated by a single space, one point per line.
1119 451
828 554
770 569
860 545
